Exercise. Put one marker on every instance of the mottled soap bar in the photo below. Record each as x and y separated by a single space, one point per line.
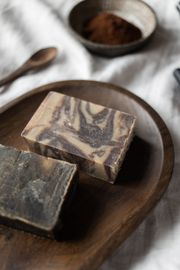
93 136
33 190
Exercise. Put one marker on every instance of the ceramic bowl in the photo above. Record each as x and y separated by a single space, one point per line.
134 11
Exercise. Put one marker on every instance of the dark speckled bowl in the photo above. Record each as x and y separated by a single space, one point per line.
135 11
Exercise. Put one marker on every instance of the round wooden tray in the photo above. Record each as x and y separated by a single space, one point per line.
102 215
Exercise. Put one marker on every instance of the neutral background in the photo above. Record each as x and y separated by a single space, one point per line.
26 26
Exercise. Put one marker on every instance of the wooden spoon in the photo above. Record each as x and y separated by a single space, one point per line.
38 60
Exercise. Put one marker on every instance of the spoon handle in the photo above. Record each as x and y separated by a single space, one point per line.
14 75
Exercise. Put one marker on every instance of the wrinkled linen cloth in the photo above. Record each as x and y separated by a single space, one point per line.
27 26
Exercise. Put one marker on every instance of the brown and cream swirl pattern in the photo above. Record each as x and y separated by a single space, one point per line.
93 136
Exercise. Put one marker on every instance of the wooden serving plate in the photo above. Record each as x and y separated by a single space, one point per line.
102 215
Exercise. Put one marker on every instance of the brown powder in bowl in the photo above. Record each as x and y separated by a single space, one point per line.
107 28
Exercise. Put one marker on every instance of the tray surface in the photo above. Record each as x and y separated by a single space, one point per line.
102 215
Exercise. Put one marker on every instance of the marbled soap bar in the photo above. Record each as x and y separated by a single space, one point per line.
33 190
90 135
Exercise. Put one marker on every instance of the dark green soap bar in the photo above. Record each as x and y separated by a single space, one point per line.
33 190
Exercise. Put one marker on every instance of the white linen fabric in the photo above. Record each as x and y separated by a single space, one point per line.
27 26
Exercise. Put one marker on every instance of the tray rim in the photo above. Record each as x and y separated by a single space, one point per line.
164 178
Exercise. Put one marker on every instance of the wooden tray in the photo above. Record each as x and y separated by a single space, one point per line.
102 215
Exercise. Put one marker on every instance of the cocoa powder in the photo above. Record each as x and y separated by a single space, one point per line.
107 28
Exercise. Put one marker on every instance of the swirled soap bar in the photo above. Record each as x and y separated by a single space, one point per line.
90 135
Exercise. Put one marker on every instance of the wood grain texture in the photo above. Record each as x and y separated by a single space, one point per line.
102 215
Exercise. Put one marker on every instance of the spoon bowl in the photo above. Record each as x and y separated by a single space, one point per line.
43 56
